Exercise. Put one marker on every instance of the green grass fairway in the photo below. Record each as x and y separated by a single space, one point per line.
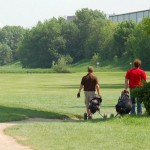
125 133
54 96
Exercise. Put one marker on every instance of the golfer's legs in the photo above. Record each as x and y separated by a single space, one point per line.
139 108
133 103
88 96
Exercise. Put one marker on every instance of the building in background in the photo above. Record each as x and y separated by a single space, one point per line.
70 18
135 16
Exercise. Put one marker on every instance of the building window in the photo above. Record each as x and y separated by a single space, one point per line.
120 18
126 17
133 17
140 16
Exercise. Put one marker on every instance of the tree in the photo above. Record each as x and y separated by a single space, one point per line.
98 41
139 43
70 33
121 35
12 35
42 45
80 39
146 22
84 19
5 54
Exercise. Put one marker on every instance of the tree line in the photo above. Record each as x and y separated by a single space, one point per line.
90 36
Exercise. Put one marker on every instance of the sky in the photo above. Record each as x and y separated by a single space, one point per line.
27 13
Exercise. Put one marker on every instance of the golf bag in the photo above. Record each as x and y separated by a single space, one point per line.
94 104
124 104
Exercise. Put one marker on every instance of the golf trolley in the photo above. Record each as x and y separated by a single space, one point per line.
94 106
124 104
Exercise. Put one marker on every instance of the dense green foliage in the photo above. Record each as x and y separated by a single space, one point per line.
144 95
10 37
122 32
88 34
5 54
139 43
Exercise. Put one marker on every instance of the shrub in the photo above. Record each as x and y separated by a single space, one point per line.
115 59
144 95
61 65
95 58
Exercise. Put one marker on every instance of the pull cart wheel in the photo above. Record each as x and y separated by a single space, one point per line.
85 116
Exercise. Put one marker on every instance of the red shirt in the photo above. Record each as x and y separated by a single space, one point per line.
135 77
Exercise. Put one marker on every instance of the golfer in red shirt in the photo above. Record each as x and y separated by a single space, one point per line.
134 78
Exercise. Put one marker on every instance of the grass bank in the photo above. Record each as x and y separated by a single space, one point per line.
81 66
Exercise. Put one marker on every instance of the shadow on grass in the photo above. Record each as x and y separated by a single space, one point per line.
15 114
98 120
116 117
103 106
60 86
112 86
105 86
107 106
77 107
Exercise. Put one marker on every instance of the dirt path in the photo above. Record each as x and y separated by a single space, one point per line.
9 143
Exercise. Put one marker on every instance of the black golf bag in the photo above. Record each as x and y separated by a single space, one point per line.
124 104
94 104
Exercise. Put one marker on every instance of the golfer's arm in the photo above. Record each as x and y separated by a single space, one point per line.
98 89
80 88
126 84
